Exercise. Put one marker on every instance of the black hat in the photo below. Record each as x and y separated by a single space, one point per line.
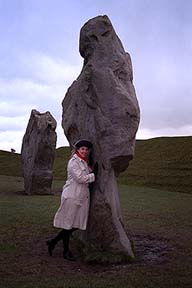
83 143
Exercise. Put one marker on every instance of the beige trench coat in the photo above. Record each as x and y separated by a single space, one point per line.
75 198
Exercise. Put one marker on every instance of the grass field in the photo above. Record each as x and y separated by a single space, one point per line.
159 221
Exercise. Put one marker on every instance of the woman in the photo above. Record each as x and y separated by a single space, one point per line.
73 211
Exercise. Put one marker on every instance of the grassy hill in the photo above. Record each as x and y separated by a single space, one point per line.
164 163
10 164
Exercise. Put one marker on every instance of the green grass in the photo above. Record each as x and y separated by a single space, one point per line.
10 164
60 164
164 163
162 210
156 214
11 184
26 222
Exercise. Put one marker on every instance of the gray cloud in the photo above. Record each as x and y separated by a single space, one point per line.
39 59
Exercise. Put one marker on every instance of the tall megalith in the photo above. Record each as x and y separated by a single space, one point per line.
101 106
38 153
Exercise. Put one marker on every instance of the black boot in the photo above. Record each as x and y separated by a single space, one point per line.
69 256
52 243
51 246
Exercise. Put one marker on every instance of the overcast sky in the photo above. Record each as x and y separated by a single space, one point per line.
39 59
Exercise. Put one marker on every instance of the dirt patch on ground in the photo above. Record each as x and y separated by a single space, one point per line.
150 250
35 259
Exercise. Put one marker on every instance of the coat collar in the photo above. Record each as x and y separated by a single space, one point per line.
76 157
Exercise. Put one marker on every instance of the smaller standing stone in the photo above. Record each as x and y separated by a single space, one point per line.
38 153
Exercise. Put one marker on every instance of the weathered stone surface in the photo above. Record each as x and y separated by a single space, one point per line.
101 106
38 153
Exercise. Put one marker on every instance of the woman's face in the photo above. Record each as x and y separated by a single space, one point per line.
83 151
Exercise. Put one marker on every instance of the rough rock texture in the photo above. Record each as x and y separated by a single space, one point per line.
38 153
101 106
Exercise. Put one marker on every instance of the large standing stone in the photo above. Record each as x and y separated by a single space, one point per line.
38 153
101 106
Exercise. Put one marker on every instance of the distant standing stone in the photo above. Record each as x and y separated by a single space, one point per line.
38 153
